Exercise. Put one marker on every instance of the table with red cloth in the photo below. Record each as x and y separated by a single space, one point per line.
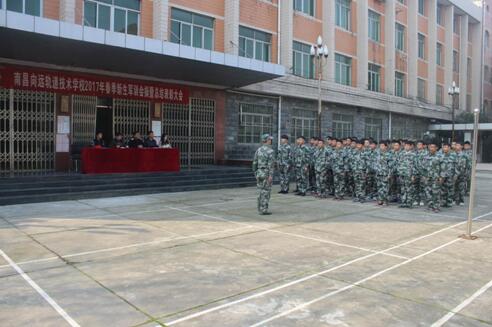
124 160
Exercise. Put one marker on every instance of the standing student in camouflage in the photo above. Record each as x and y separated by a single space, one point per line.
394 181
448 169
467 149
321 169
419 185
405 170
433 178
329 148
339 167
301 162
312 147
371 188
358 165
460 171
263 167
383 173
284 164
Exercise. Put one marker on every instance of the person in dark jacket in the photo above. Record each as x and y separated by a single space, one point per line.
118 141
165 143
150 141
98 141
136 141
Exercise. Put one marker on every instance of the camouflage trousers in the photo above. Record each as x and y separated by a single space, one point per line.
302 177
284 175
349 184
407 190
371 186
468 182
264 188
382 182
433 193
360 185
329 182
395 187
419 189
460 189
321 184
312 178
339 184
447 191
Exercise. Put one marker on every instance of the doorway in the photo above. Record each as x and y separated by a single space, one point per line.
104 119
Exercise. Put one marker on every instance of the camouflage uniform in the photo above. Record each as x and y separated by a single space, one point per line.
405 171
349 177
358 165
339 167
312 174
301 162
263 167
448 167
321 170
371 187
469 156
460 171
432 175
394 159
284 165
383 174
419 184
329 171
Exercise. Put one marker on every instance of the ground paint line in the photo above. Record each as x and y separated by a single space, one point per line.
41 292
325 296
309 277
289 234
462 305
157 241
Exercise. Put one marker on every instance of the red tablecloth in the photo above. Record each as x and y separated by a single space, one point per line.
98 161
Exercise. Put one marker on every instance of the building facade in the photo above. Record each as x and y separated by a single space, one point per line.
245 69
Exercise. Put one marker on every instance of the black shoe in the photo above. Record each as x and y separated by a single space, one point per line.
283 192
266 213
301 194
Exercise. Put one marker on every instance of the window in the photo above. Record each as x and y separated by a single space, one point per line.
374 26
456 25
439 54
373 128
439 15
456 62
343 13
439 94
421 89
421 46
342 125
28 7
374 77
401 1
399 84
304 123
421 7
400 37
254 120
305 6
254 44
343 69
192 29
116 15
303 63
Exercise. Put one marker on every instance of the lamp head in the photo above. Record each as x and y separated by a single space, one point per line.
319 41
476 110
312 51
325 51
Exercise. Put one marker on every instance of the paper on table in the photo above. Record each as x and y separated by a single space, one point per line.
63 124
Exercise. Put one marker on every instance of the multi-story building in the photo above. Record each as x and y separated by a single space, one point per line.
216 74
487 69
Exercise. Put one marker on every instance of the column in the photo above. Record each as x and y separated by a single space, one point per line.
362 44
286 32
389 50
67 11
160 19
231 28
448 52
329 38
412 60
431 79
476 66
463 61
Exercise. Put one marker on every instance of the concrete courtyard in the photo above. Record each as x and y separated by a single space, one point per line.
207 259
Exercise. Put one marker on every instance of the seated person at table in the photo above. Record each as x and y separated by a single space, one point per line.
118 141
150 141
165 141
98 141
136 141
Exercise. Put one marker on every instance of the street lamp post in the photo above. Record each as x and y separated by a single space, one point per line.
454 92
319 53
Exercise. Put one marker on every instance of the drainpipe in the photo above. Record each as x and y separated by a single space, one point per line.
279 121
389 126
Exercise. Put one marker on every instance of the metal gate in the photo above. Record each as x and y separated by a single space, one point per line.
191 129
27 135
84 109
130 116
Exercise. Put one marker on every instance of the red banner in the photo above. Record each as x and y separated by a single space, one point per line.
25 78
